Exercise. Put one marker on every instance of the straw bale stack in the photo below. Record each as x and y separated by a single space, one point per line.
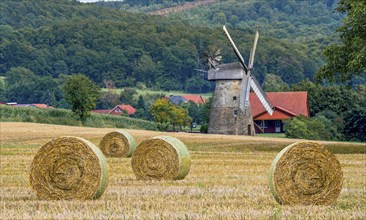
161 158
117 144
69 168
305 173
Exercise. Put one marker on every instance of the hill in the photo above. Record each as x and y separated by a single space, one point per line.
64 37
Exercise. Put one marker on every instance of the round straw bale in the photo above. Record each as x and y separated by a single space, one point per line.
69 168
161 158
305 173
117 144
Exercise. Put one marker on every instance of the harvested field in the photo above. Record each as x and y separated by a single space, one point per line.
228 179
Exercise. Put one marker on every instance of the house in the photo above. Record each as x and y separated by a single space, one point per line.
28 105
176 100
286 106
197 99
118 110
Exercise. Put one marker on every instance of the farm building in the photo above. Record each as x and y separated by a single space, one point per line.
286 106
28 105
197 99
118 110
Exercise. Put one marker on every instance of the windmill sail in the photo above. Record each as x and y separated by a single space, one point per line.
243 90
241 59
248 92
252 54
246 81
261 95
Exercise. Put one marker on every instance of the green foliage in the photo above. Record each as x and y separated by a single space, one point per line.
164 112
66 117
194 111
204 129
274 83
2 91
108 100
67 37
347 58
23 86
317 128
303 21
296 128
81 93
141 108
339 109
355 124
320 98
127 96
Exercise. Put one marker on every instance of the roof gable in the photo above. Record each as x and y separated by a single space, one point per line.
286 104
118 109
195 98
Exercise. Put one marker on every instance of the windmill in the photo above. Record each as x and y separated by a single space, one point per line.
230 111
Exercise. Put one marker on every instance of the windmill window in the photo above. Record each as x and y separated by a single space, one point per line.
234 97
235 112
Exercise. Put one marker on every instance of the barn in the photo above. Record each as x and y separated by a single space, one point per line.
286 106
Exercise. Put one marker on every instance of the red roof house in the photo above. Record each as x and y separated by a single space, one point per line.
120 109
286 106
28 105
195 98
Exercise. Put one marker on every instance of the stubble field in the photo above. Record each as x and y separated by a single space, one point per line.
228 180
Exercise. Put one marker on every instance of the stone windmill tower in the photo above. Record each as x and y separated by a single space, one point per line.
230 111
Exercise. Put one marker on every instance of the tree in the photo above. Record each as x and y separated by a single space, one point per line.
81 93
165 112
348 57
161 110
126 96
320 98
355 124
19 84
108 99
2 91
141 108
274 83
317 128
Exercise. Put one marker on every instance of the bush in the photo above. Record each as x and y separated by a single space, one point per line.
317 128
355 124
204 129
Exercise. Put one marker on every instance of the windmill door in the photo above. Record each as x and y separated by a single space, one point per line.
277 126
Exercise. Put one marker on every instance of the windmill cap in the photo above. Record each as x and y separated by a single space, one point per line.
227 71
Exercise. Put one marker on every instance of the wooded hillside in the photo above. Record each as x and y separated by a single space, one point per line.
64 37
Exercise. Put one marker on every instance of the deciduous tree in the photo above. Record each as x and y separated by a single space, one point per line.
347 57
81 93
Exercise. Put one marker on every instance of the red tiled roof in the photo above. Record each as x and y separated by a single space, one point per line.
195 98
286 105
130 110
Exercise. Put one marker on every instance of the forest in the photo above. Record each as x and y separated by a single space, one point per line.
63 37
42 43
